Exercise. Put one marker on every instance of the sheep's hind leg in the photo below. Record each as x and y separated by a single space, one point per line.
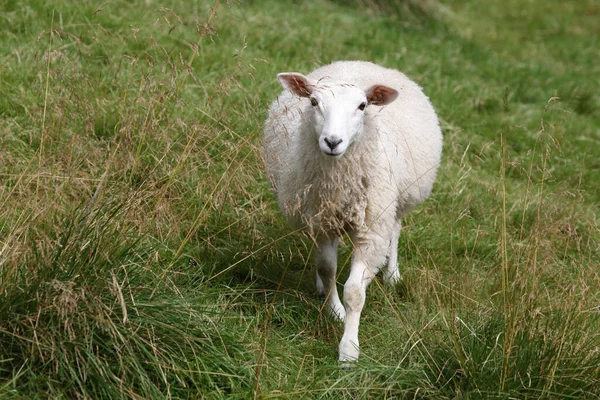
326 260
391 275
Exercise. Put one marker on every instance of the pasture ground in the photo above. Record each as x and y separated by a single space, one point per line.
142 254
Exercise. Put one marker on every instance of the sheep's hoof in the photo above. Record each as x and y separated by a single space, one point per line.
347 365
348 353
337 312
392 279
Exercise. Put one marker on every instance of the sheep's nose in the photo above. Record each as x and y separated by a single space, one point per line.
332 143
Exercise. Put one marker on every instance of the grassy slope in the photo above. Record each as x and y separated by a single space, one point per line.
142 254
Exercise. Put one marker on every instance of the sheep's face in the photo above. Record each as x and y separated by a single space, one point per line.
338 116
338 109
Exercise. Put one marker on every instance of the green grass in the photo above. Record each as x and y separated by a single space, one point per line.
142 254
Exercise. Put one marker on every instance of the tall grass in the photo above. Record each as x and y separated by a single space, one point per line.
142 254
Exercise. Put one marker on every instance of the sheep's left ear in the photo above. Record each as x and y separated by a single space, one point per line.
380 95
296 83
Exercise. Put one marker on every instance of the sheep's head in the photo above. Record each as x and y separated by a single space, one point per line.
338 108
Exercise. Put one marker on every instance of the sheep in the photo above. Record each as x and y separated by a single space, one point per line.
350 149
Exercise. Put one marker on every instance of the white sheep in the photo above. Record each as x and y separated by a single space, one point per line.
351 148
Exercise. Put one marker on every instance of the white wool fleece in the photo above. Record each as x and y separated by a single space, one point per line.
382 172
393 163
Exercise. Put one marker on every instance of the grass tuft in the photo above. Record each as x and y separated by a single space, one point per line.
85 311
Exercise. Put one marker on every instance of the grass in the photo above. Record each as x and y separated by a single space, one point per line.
142 254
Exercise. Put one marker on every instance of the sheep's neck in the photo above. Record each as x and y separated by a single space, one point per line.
335 191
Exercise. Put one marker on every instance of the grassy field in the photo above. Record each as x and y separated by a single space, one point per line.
142 254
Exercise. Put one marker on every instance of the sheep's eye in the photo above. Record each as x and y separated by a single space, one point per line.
313 101
362 106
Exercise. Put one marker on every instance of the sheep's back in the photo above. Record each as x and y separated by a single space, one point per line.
283 120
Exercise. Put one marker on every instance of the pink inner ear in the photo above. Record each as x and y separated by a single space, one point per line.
381 95
302 87
296 83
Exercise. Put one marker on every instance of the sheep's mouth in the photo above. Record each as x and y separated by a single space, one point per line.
334 154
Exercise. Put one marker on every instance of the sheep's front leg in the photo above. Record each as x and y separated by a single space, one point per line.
326 260
391 275
354 300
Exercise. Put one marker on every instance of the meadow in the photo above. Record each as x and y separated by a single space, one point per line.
142 254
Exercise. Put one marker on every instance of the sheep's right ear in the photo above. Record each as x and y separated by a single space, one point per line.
296 83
